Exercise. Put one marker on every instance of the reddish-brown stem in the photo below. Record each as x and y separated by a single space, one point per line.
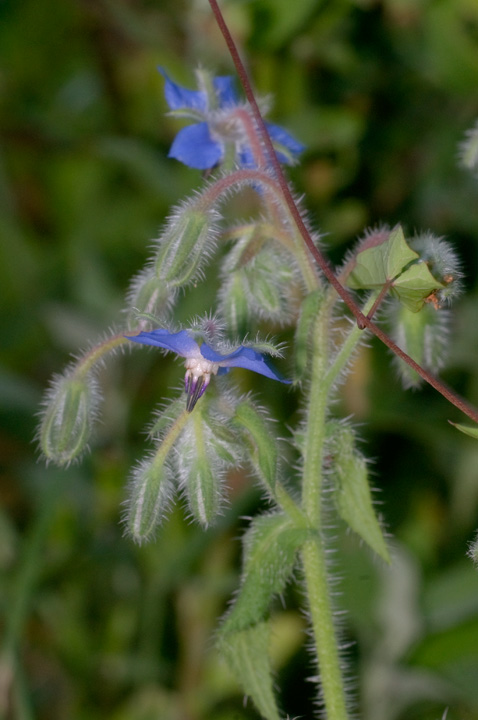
380 297
362 320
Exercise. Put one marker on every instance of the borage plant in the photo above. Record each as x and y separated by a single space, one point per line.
273 270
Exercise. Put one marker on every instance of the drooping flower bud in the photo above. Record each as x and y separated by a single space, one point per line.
150 493
186 243
151 486
148 294
69 415
206 449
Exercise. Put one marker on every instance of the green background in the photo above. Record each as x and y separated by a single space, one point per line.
381 93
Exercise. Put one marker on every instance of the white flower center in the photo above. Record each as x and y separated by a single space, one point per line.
197 367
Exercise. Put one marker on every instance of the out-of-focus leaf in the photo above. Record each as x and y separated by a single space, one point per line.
470 430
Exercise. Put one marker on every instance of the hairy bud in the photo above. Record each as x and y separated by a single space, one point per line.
148 294
185 245
258 277
67 421
151 490
206 449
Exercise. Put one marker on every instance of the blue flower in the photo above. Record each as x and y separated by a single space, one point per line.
203 145
202 361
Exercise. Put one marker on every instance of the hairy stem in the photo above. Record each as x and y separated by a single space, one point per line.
96 353
313 554
348 346
321 614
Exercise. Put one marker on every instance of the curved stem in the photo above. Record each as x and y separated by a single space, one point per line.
96 353
273 190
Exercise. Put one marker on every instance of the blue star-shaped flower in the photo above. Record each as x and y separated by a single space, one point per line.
203 144
202 361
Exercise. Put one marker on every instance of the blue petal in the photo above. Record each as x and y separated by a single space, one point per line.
180 342
194 146
225 86
178 97
280 136
246 158
243 357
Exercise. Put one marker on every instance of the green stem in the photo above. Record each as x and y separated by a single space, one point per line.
347 347
169 439
290 507
315 569
96 353
316 414
313 553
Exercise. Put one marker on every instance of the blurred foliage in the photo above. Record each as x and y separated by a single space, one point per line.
382 93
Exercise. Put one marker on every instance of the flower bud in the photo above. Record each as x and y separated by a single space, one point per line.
258 277
186 243
149 295
150 494
205 450
69 416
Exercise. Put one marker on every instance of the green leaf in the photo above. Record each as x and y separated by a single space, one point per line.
414 285
246 653
471 430
262 445
378 265
270 548
352 495
395 264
